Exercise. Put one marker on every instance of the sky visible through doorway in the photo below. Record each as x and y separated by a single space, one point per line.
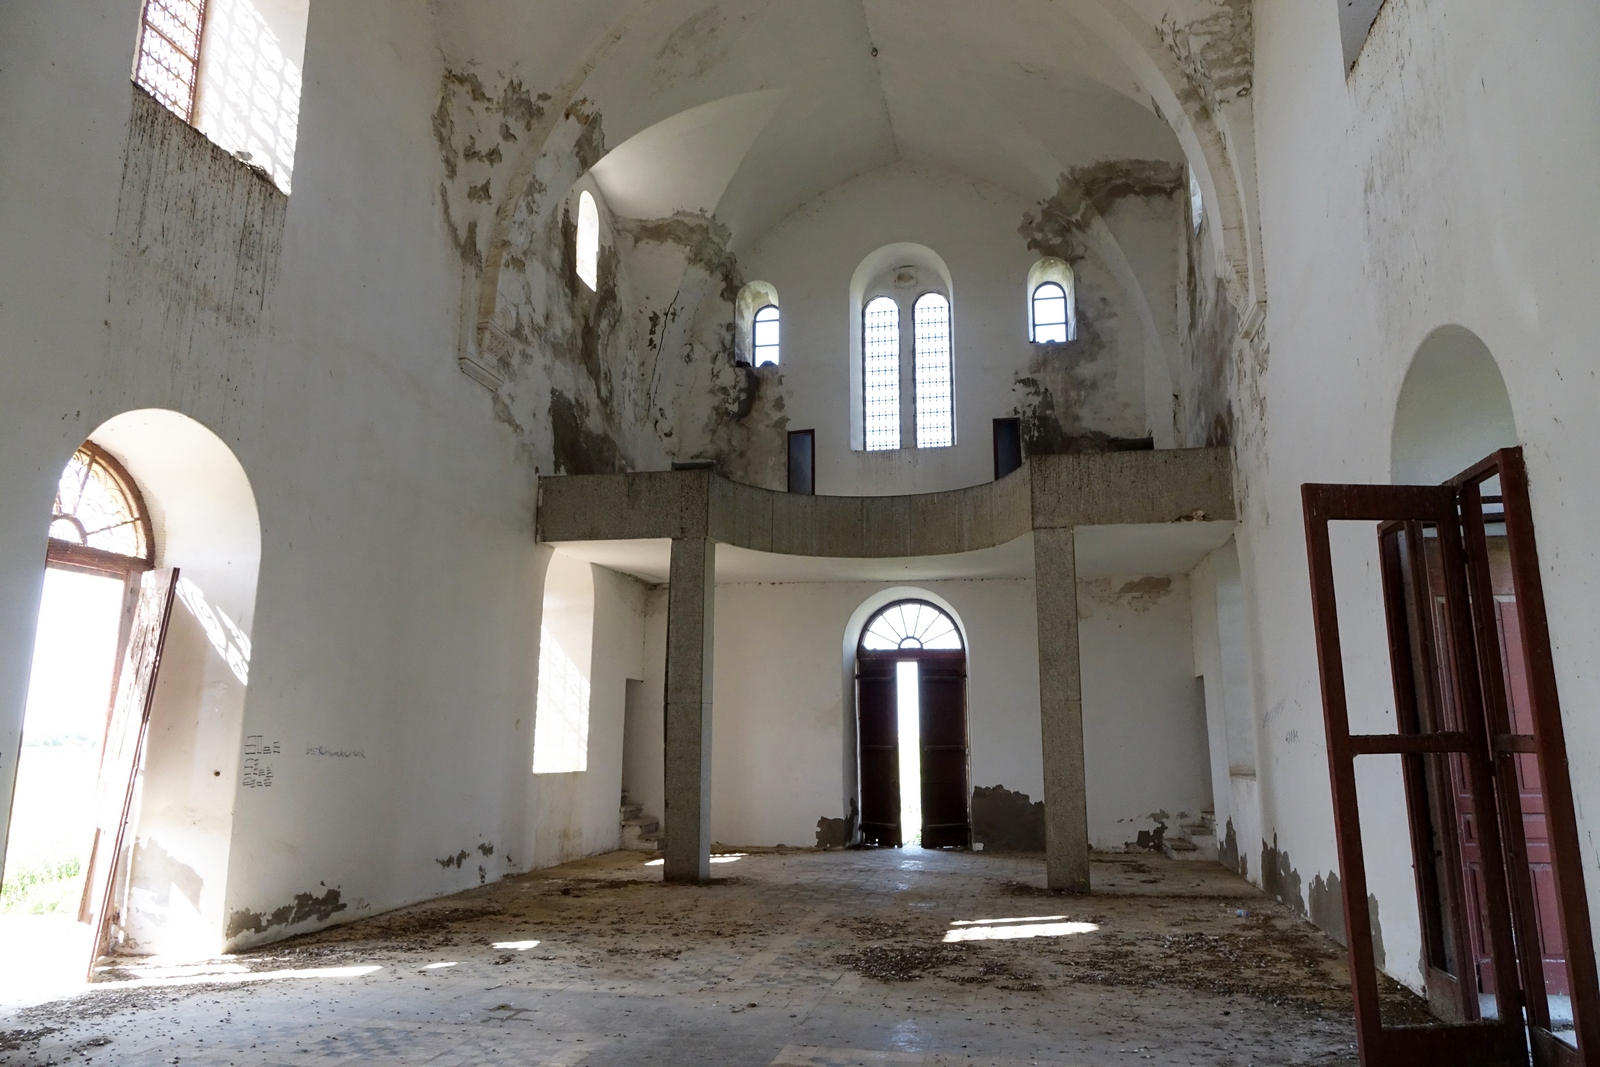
908 708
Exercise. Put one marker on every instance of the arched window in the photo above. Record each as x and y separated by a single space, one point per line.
588 250
1049 313
881 373
911 625
1052 317
1197 203
935 403
764 336
99 520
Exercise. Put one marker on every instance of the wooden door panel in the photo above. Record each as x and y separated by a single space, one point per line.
942 696
878 750
123 749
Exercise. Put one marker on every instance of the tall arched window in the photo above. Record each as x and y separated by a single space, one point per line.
764 336
881 373
935 402
588 250
1049 313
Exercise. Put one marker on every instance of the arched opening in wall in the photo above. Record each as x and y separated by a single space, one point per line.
566 642
911 728
587 250
231 68
1452 411
121 818
1052 309
756 320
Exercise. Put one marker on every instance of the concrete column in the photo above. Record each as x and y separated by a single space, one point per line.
691 596
1066 811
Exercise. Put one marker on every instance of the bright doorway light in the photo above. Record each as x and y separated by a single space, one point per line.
909 714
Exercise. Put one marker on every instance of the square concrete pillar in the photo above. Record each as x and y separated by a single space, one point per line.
691 597
1066 809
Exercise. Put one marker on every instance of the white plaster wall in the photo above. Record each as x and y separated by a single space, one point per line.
779 728
1442 183
644 739
206 525
397 610
1221 659
1144 729
810 258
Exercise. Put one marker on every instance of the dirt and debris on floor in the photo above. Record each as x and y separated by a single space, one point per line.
791 957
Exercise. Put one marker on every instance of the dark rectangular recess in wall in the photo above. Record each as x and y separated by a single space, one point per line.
802 462
1007 446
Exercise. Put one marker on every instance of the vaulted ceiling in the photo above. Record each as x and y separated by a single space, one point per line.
746 109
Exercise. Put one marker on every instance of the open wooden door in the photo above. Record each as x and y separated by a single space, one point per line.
878 749
1507 952
121 754
942 696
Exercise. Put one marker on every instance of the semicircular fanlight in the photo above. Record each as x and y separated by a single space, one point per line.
98 506
912 625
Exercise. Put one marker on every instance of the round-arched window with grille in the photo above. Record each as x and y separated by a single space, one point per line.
98 508
911 626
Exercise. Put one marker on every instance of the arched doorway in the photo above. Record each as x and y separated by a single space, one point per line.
139 684
911 728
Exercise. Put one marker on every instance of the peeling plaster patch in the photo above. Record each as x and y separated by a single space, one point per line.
1378 955
1326 905
1279 878
305 908
1216 52
453 861
1143 593
157 872
837 833
473 125
1212 350
703 239
576 447
1007 821
1228 852
1055 227
1152 840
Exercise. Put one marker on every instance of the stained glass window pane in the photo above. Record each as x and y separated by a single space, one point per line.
935 406
881 370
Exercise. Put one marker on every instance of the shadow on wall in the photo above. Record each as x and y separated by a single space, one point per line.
1453 409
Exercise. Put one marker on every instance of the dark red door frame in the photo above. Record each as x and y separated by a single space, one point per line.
1451 699
1547 743
1475 1042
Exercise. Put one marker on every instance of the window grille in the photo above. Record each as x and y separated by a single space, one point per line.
911 624
168 65
97 506
1050 314
765 336
935 409
588 250
881 373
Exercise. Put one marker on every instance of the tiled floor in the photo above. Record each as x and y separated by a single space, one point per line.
794 958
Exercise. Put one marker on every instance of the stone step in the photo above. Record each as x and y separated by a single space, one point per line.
631 811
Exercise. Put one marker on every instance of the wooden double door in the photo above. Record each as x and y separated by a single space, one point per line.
1507 954
942 740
